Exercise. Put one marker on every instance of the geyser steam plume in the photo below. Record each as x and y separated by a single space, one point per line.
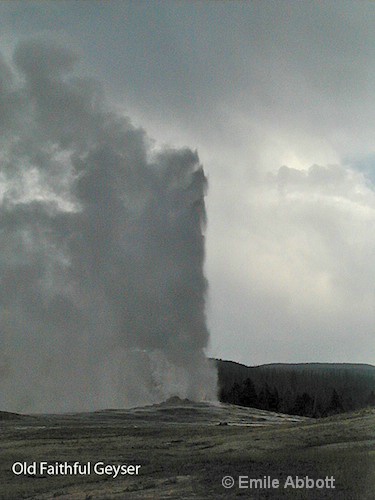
102 292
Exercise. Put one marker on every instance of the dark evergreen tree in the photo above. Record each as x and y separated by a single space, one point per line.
370 401
303 405
267 399
335 405
234 394
248 395
274 400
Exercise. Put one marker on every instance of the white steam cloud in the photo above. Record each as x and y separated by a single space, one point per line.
102 292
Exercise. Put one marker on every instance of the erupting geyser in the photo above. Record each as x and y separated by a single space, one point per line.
102 292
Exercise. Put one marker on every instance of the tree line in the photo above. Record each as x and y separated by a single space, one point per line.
312 391
267 398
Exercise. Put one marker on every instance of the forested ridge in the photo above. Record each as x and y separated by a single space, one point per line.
310 389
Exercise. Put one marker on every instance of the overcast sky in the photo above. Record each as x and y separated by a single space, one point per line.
278 99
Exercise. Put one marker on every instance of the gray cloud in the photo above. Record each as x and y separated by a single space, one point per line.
103 293
253 86
300 280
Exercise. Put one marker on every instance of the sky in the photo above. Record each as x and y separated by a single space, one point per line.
277 98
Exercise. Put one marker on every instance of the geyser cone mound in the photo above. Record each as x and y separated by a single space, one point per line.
177 401
185 412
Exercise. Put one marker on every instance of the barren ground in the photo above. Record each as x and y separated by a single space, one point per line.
185 449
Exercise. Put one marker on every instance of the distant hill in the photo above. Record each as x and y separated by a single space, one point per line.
6 415
311 389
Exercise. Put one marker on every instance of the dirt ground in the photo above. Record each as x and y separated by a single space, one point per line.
184 450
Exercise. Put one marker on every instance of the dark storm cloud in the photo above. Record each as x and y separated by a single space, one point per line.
102 251
298 63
